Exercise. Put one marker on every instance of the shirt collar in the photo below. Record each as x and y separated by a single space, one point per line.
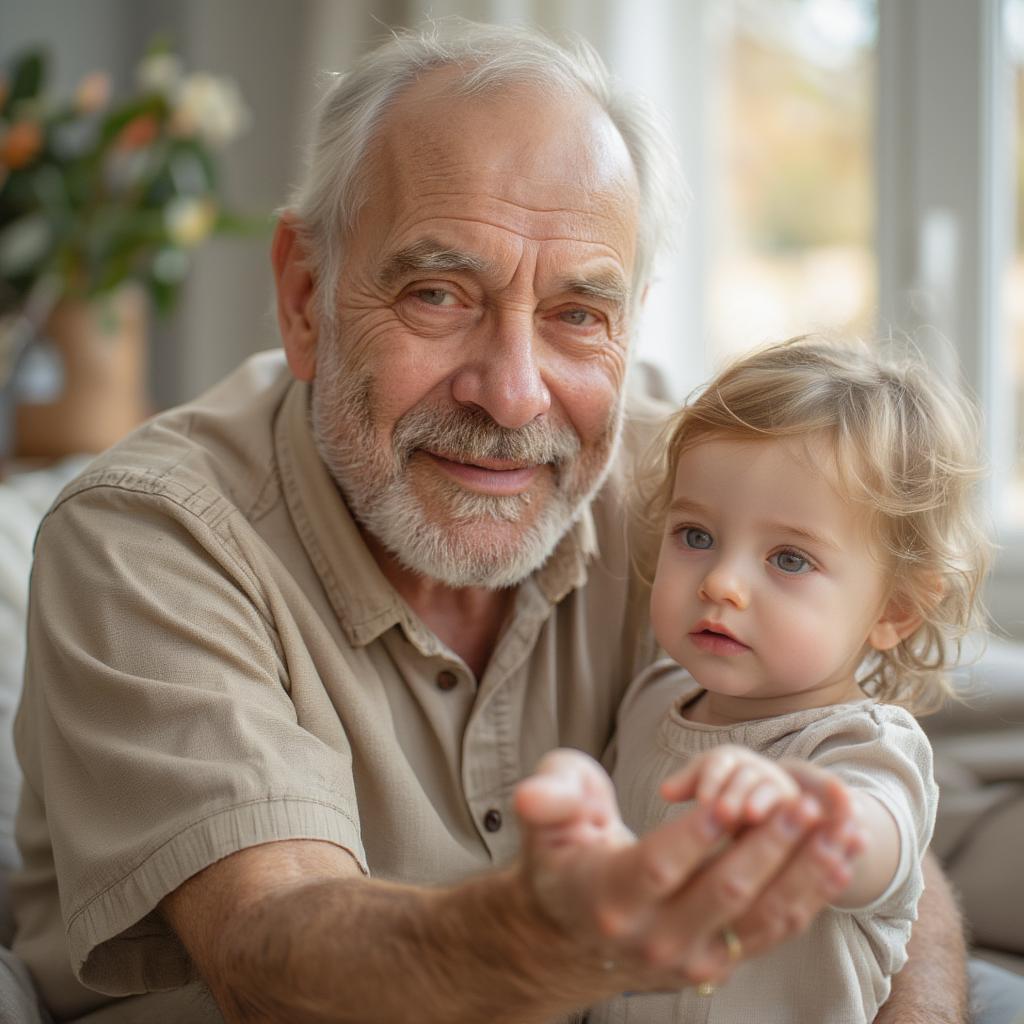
364 601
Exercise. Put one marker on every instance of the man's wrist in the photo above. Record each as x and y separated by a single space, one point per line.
557 969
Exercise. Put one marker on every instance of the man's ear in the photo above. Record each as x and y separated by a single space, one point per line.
296 299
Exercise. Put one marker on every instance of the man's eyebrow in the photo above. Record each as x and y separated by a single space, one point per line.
607 286
427 257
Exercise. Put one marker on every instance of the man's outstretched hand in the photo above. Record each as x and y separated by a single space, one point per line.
652 912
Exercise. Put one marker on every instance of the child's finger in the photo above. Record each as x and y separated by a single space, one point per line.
716 774
734 794
681 785
764 798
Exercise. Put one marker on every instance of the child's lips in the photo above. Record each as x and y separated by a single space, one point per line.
716 639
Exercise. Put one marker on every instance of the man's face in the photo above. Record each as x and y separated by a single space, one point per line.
468 401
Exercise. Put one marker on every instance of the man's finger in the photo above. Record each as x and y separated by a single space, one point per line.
816 876
728 888
568 787
828 790
644 873
548 800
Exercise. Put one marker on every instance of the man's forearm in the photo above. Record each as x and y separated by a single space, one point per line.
366 951
932 986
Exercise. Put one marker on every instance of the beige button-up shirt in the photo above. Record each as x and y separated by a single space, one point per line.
216 661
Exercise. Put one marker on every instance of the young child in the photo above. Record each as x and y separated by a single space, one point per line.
820 556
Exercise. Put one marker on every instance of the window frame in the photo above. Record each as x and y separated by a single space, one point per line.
944 234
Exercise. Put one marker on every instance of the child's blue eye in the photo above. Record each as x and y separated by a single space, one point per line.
700 540
791 563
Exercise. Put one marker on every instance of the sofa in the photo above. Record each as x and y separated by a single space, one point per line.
978 742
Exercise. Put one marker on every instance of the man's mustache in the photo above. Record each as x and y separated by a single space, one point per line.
468 433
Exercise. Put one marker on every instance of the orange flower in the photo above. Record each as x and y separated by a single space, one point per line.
20 145
138 133
93 92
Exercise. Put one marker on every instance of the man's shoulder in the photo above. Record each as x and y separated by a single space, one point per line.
217 448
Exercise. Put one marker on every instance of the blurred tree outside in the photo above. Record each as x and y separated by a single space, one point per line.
795 208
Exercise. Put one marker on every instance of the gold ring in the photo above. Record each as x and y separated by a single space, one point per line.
732 943
705 988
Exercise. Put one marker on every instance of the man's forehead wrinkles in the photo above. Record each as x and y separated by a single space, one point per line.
587 240
527 207
602 211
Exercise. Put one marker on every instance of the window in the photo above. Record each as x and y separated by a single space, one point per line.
793 198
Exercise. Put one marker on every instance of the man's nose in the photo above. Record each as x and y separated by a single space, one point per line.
502 373
725 583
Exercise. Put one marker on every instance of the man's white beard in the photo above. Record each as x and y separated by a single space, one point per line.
471 540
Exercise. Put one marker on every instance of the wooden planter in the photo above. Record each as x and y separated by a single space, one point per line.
103 348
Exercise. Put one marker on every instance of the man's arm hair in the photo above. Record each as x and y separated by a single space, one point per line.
292 931
932 986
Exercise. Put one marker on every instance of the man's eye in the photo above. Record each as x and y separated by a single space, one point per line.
790 562
578 317
435 296
699 540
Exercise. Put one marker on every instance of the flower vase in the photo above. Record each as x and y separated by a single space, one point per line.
102 347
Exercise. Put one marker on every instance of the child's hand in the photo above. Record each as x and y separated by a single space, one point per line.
742 787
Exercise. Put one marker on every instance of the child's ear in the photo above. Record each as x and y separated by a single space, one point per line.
901 616
894 624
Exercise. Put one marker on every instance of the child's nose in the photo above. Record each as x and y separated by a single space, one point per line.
724 584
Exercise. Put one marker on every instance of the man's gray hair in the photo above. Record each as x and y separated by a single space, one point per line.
328 200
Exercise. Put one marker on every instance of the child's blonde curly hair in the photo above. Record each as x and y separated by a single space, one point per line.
905 446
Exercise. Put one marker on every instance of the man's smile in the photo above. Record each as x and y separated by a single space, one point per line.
487 476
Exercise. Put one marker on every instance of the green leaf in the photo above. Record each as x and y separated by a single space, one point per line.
117 119
243 224
28 76
163 294
163 42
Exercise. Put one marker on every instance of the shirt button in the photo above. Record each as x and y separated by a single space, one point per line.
446 680
492 820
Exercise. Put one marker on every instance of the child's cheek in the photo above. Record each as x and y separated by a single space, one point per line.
808 644
668 614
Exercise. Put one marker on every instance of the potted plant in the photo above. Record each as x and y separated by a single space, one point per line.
101 206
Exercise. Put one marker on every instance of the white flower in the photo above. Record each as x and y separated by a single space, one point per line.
210 107
24 243
189 220
159 73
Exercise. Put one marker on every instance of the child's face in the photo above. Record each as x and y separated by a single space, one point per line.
766 586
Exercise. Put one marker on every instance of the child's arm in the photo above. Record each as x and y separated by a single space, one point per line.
875 868
743 788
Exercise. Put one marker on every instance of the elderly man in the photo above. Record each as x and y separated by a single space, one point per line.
293 646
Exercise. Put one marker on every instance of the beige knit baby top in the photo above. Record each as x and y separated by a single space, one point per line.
838 971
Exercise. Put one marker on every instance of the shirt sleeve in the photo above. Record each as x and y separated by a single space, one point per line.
156 729
881 750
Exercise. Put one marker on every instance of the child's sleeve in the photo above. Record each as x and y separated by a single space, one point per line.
881 750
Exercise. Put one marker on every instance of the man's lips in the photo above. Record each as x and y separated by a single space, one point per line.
488 476
714 638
